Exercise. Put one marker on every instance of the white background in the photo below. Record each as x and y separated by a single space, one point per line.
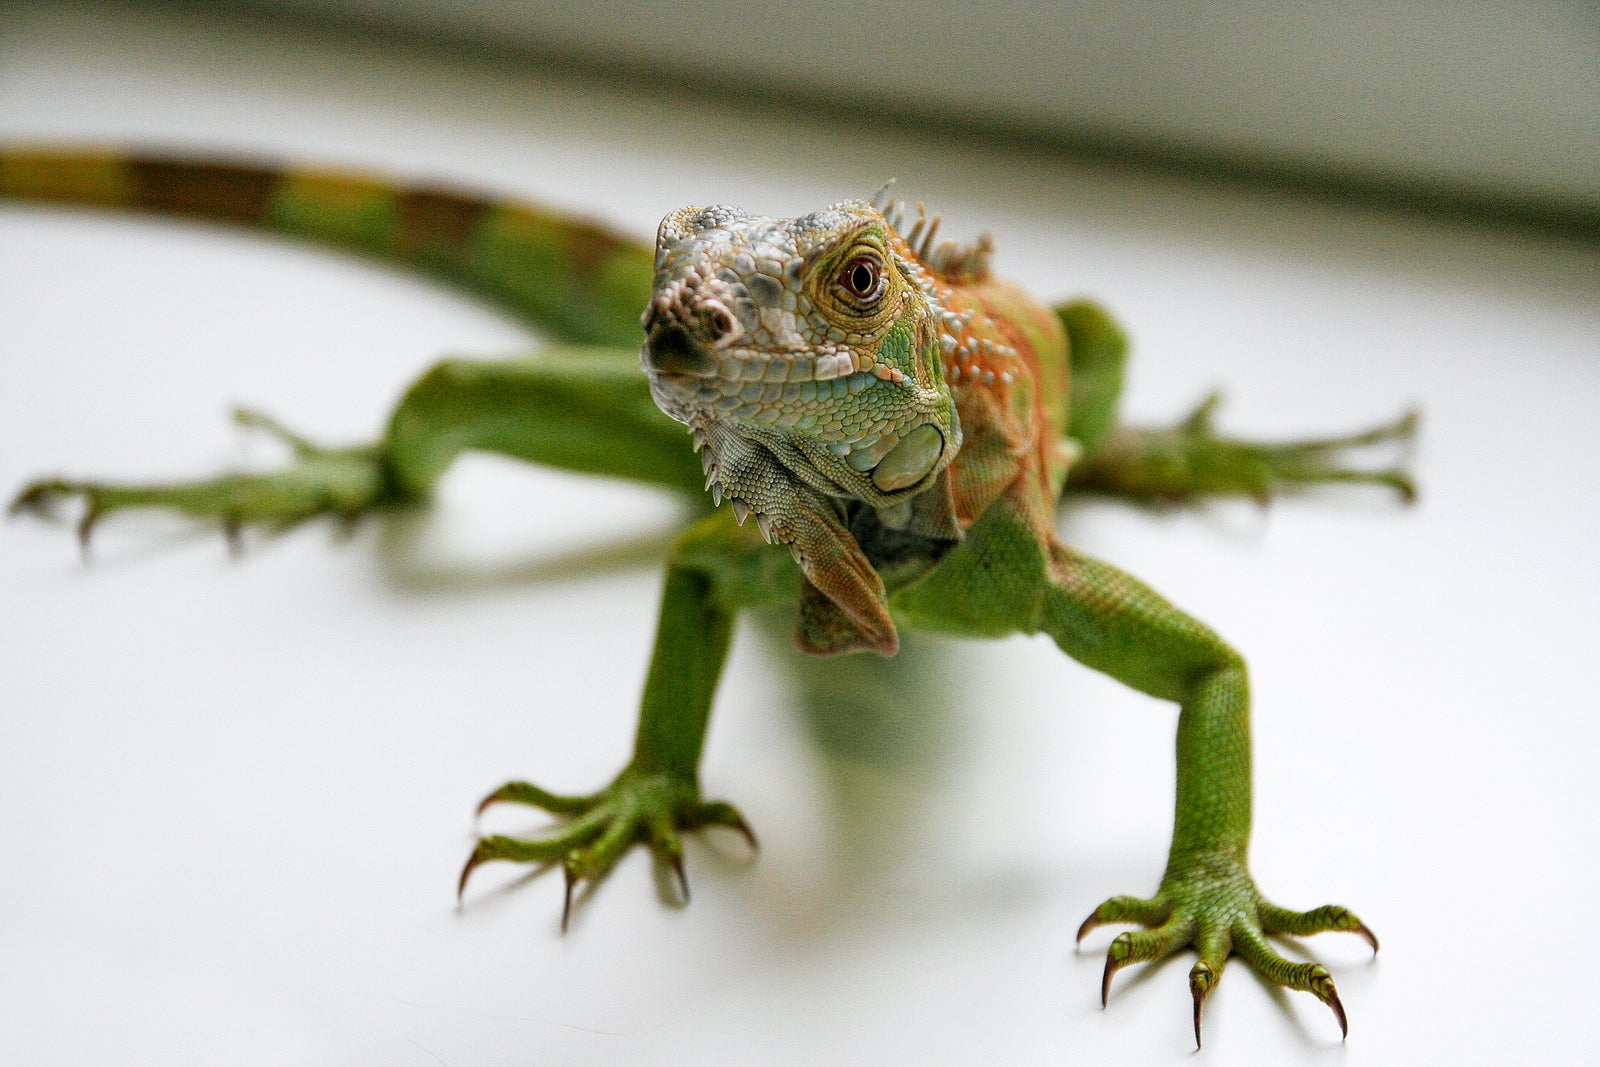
234 796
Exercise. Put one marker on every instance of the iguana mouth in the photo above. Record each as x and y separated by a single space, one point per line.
674 352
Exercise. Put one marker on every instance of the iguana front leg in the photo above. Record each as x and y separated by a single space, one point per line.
716 568
586 410
1207 899
1010 575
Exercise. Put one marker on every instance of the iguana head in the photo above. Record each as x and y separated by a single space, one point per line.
805 355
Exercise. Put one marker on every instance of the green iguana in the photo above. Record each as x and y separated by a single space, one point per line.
874 399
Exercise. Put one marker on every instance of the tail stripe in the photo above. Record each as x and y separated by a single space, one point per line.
226 192
89 177
437 227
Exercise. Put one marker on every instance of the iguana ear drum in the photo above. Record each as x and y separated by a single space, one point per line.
909 461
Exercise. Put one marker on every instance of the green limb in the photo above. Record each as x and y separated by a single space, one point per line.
1191 461
1114 623
692 639
1207 899
716 569
584 410
341 482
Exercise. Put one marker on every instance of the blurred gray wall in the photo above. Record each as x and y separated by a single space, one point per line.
1478 98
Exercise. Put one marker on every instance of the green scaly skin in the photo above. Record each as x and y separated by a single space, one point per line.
882 408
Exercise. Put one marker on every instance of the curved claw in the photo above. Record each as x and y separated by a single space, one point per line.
570 874
1321 986
683 875
471 865
1338 1012
721 813
1112 963
233 534
86 525
1199 1001
1365 933
1202 979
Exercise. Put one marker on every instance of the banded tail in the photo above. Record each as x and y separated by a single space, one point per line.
572 277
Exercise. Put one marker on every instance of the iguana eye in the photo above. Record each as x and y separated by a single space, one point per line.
862 278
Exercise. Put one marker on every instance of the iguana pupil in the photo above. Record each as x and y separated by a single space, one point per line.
862 279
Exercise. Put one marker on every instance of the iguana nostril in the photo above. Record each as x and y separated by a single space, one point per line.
670 350
718 321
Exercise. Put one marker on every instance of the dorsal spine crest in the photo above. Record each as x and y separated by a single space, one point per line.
950 261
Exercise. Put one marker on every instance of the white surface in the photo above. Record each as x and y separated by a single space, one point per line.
1490 96
233 798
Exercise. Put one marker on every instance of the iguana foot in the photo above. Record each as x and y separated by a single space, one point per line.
1191 460
342 482
638 808
1214 907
